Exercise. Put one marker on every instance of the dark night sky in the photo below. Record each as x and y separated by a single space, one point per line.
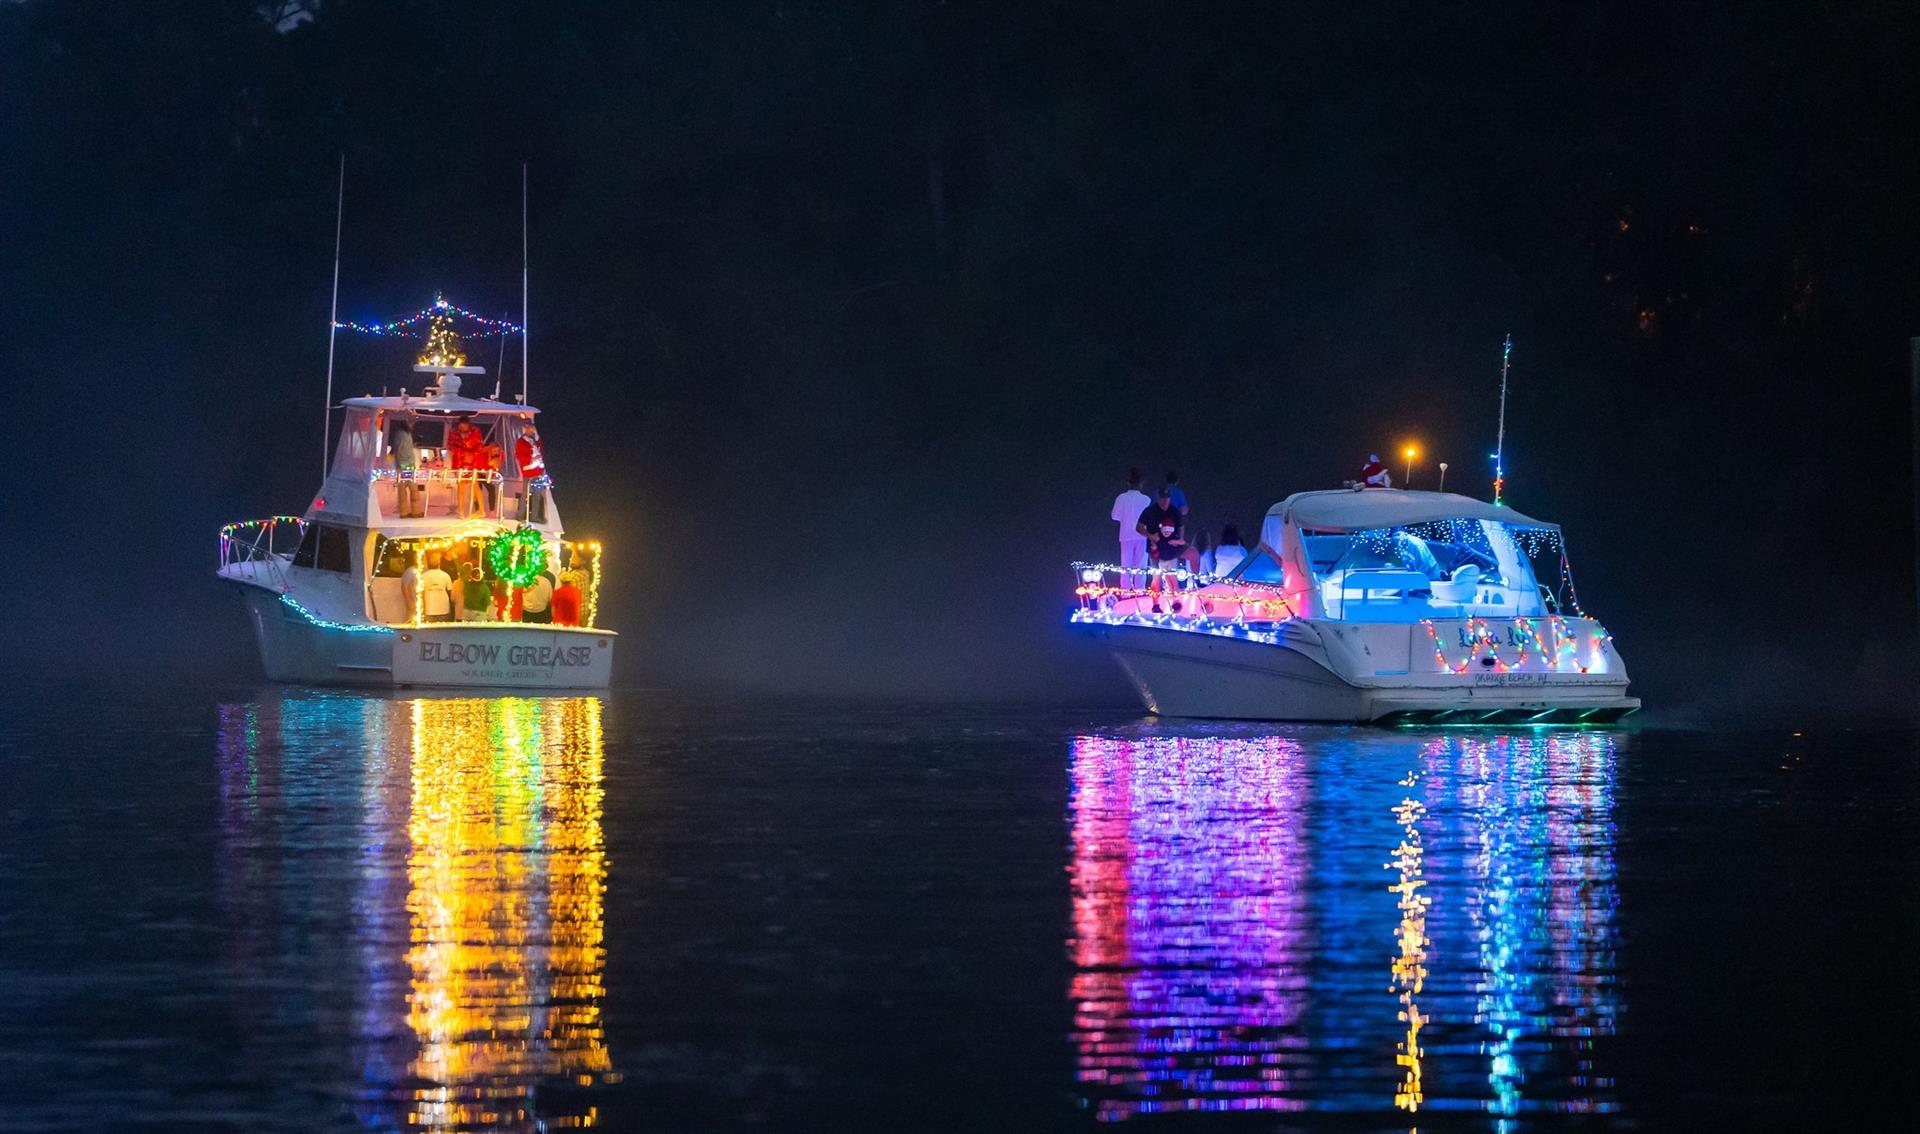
848 318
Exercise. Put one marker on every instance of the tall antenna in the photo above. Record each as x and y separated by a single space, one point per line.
523 283
1500 440
333 320
499 371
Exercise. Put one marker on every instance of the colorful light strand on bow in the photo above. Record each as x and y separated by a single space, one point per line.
293 604
262 527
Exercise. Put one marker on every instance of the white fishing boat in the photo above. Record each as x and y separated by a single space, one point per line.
346 593
1367 605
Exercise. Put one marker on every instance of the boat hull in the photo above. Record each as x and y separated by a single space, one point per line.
295 647
1183 674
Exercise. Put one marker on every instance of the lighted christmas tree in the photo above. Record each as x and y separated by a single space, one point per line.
443 346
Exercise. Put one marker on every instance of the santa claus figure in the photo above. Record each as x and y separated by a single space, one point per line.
1375 475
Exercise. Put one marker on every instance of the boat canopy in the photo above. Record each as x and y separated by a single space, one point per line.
438 403
1352 510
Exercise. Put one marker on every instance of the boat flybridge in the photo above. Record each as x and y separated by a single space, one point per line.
341 595
1371 604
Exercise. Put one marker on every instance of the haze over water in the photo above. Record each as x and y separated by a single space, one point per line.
267 908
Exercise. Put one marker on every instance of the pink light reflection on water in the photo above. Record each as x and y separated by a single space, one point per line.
1190 923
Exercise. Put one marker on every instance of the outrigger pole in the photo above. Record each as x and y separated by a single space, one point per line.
1500 439
523 283
333 319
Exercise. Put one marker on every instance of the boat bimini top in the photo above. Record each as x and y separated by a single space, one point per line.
1349 510
1394 555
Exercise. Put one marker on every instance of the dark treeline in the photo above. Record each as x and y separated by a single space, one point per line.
848 318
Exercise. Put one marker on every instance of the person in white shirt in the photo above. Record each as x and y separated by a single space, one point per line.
536 602
436 592
1126 512
1231 551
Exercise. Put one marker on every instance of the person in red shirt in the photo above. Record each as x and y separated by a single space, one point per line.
533 466
566 600
466 454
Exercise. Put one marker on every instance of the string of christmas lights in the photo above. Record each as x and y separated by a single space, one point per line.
1093 592
1560 648
1170 621
293 604
593 582
264 527
1107 597
404 327
437 476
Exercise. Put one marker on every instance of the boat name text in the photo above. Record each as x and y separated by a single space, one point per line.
467 653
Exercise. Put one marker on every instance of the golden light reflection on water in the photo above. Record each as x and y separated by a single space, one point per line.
506 883
1410 965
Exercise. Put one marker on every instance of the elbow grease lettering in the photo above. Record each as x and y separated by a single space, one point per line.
483 659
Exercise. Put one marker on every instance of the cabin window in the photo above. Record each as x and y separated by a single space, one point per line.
1261 567
1437 569
336 553
324 547
359 449
309 546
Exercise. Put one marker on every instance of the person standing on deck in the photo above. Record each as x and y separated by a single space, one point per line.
466 454
1164 529
533 466
566 599
406 461
494 460
476 597
1190 554
436 592
536 602
1126 512
410 586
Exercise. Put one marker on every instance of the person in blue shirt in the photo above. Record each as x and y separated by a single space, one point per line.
1173 490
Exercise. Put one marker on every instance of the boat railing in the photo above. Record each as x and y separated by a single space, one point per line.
450 492
1175 595
257 547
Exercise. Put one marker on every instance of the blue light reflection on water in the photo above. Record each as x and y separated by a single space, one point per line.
1395 923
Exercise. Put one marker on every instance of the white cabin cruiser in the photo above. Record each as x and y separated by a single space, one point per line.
335 594
1363 605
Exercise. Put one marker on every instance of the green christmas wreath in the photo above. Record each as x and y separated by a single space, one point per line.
517 557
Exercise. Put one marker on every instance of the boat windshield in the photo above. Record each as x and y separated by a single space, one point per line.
1435 569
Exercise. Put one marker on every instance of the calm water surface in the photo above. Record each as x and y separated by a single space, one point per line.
269 909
